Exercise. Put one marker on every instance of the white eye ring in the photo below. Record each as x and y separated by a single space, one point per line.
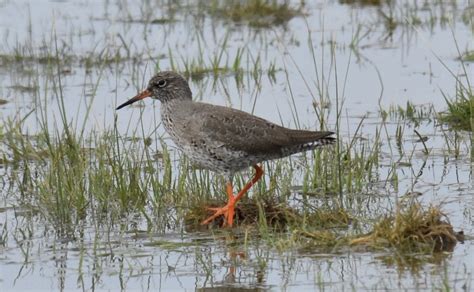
162 83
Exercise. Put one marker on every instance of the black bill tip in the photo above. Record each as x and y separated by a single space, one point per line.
142 95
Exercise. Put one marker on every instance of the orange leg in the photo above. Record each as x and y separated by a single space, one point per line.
229 210
230 276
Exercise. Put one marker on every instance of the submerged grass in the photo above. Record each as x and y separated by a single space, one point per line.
411 113
26 57
221 63
256 13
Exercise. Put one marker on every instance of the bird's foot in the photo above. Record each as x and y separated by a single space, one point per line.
228 211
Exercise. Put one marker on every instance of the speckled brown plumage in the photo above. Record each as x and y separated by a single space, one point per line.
228 140
223 139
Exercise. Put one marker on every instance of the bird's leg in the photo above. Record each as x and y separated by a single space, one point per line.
256 178
229 210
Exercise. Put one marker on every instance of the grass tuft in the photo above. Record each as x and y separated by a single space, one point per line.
256 13
460 114
251 211
412 229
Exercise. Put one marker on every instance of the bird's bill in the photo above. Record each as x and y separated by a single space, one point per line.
145 93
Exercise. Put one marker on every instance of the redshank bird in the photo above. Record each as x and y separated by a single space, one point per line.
223 139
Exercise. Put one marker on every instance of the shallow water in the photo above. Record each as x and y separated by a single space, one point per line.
377 67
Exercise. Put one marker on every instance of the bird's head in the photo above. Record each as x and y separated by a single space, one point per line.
164 86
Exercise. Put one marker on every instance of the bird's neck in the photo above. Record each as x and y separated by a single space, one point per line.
173 104
172 111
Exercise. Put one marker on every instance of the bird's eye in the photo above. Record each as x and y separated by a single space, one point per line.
162 83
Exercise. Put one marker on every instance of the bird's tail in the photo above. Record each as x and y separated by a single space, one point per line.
309 140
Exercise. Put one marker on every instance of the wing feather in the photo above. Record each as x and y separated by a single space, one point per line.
240 131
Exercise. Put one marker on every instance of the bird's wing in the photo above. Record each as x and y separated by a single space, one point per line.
240 131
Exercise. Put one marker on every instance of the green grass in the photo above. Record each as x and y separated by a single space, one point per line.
467 56
460 112
103 177
411 113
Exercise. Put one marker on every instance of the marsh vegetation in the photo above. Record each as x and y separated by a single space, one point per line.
93 199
